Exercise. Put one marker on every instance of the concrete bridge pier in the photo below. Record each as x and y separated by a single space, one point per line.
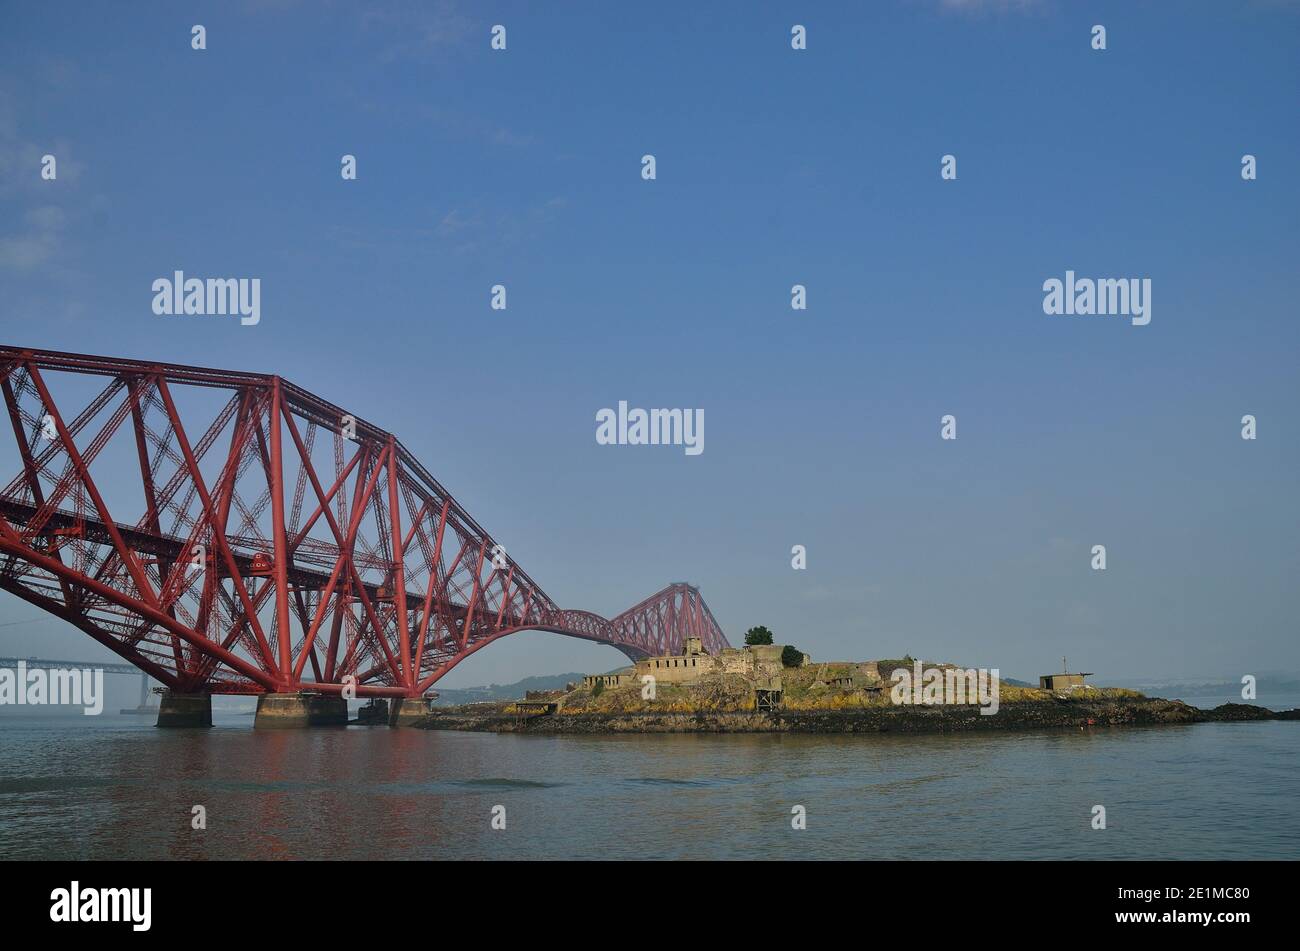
185 710
280 711
407 711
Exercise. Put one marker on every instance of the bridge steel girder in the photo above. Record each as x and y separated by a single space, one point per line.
259 562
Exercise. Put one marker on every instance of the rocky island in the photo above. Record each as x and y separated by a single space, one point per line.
775 689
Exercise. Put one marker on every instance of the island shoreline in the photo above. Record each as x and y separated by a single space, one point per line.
1022 716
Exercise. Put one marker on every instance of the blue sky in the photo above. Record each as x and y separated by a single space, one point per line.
775 167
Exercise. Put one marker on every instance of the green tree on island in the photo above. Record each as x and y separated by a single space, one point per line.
758 635
791 656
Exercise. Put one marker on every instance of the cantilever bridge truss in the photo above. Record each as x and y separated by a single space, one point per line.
246 536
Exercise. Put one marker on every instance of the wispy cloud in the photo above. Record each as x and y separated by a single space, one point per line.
469 231
36 242
417 29
32 227
466 230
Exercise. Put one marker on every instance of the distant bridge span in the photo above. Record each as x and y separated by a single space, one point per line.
274 543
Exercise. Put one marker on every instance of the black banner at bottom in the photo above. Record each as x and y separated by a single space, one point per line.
140 901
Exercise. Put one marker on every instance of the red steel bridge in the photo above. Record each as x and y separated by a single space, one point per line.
245 536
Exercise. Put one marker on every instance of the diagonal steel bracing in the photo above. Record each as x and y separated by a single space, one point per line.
191 521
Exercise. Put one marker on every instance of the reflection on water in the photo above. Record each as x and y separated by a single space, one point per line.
111 787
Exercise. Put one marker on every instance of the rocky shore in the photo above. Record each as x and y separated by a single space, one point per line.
1059 713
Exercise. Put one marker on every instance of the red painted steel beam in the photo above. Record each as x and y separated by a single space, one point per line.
210 635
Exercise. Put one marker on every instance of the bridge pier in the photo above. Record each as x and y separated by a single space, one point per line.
185 710
407 711
280 711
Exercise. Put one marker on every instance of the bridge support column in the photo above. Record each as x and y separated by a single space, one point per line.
185 710
280 711
408 711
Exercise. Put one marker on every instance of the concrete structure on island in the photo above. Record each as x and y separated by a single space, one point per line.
1064 680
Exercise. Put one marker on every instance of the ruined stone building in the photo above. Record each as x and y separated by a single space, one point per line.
759 662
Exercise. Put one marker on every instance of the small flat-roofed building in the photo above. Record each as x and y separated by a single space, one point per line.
1062 681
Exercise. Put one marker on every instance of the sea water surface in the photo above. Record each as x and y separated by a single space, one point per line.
114 787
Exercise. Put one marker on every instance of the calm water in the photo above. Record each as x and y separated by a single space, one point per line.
110 787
